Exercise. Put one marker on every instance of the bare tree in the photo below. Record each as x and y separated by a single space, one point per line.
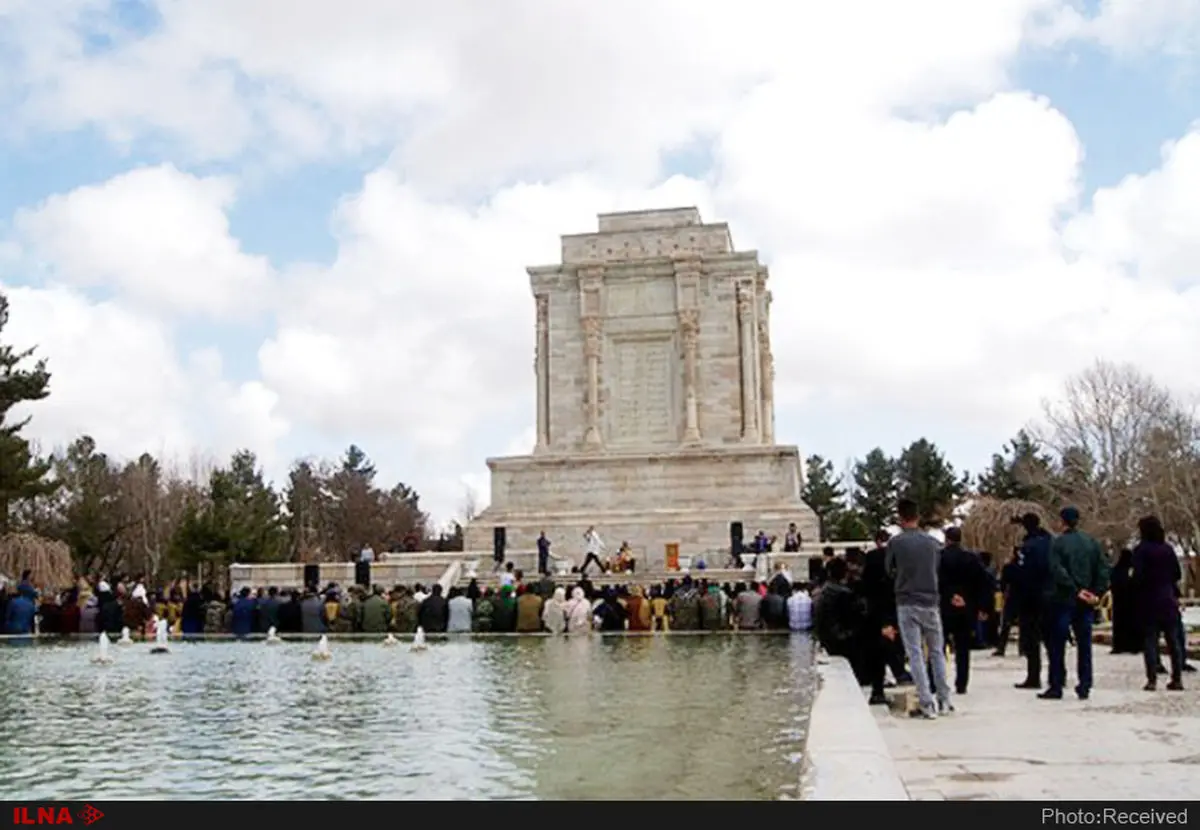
470 505
1101 432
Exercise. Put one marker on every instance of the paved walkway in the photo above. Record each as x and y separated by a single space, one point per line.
1003 743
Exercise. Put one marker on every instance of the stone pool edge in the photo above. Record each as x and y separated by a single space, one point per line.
846 757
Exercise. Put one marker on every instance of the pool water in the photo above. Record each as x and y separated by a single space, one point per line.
680 717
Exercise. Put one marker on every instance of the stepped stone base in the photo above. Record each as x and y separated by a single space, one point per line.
688 498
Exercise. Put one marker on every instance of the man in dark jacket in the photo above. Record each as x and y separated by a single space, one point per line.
965 591
111 618
876 588
773 611
312 612
1028 595
1079 573
839 619
244 609
434 615
268 611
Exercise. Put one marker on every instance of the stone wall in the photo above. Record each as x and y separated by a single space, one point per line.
737 478
648 532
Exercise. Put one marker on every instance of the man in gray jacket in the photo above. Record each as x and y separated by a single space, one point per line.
912 559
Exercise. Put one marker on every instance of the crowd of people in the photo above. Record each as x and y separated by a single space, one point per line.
513 606
900 606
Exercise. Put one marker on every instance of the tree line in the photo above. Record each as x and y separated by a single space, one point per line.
1116 444
145 516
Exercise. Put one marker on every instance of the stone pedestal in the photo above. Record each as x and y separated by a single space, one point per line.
655 406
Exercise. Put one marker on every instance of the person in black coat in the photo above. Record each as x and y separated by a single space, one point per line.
876 588
965 588
1029 593
434 613
839 619
111 618
1126 636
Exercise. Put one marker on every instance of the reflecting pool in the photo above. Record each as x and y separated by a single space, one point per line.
720 717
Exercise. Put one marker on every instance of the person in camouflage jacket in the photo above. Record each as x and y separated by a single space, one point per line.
404 611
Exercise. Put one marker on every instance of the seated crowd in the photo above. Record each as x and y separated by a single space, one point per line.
513 606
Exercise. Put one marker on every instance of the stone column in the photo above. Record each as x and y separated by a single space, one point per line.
766 371
591 350
689 327
745 310
591 281
541 368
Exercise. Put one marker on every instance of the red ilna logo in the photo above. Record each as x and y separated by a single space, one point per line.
55 815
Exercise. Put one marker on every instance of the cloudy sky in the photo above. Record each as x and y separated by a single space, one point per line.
290 225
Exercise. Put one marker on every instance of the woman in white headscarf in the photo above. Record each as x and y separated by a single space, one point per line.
554 612
579 613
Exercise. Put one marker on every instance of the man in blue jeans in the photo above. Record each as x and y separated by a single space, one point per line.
1079 574
912 559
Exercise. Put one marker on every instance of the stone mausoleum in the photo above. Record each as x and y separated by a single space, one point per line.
655 398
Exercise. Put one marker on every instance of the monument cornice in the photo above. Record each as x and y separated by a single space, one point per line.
628 456
657 266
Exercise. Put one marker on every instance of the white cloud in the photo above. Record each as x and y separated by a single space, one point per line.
921 218
116 376
156 235
1140 26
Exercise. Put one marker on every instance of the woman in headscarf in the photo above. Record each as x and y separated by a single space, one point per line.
554 612
638 609
1156 573
1126 639
579 612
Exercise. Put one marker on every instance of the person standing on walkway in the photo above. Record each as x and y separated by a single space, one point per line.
1156 572
912 560
966 592
1028 594
1126 635
878 591
1079 577
1008 602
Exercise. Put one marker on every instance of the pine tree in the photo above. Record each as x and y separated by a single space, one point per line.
924 475
822 492
22 476
1022 471
875 488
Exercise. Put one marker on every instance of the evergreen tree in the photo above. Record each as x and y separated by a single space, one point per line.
91 511
22 476
1022 471
241 521
924 475
875 489
849 526
822 492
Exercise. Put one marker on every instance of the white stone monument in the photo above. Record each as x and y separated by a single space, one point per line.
655 399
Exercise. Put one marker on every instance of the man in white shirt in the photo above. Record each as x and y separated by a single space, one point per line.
367 554
508 577
592 546
799 606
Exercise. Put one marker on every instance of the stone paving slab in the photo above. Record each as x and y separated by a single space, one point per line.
1004 743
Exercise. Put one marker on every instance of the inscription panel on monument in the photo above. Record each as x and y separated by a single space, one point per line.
642 383
641 298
